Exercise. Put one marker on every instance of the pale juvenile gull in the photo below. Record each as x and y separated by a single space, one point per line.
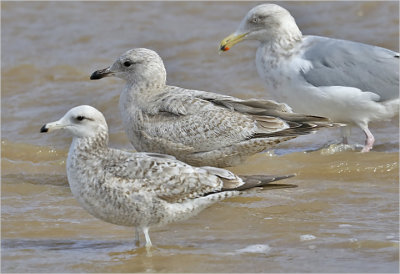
197 127
140 189
348 82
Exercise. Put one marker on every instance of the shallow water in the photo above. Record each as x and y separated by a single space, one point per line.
342 217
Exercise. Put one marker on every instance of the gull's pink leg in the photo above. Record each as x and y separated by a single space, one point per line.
369 142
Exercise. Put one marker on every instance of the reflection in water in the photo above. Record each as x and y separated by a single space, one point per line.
57 244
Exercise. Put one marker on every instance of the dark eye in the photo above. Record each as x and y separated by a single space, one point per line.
257 19
127 64
80 118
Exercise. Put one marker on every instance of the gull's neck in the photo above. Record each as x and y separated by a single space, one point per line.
282 45
283 41
95 145
85 167
140 93
86 155
146 82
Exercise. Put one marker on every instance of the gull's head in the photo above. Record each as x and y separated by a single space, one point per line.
263 23
135 65
82 121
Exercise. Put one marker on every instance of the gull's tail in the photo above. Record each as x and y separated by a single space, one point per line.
391 107
232 182
263 181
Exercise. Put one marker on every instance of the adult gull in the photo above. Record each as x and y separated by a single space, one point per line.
346 81
197 127
140 189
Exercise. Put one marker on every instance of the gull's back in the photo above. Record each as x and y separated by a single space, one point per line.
345 63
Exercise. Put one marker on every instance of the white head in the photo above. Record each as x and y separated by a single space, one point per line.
82 121
138 65
264 23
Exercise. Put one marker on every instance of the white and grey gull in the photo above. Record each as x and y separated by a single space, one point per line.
140 189
197 127
346 81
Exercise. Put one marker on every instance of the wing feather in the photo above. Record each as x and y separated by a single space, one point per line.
167 178
191 121
346 63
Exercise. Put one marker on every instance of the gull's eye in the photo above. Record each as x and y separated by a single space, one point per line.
257 19
127 64
80 118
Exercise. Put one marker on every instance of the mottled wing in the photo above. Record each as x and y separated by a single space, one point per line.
272 119
163 176
192 124
155 155
345 63
250 106
259 108
270 115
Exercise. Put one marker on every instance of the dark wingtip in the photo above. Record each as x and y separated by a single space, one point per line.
261 180
279 186
44 129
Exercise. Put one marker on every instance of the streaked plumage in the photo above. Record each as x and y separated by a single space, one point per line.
346 81
139 189
197 127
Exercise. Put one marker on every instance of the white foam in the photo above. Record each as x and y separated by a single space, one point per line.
258 248
307 237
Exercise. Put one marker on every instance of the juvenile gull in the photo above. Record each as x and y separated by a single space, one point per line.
348 82
197 127
140 189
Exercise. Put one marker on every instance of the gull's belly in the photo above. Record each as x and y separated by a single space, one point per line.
340 104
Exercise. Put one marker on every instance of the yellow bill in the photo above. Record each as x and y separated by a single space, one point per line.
230 41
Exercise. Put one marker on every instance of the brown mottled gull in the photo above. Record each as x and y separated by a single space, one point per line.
140 189
346 81
197 127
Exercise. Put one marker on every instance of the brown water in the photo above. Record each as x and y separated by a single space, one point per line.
343 217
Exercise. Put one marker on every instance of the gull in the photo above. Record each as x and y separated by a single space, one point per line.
197 127
140 189
348 82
